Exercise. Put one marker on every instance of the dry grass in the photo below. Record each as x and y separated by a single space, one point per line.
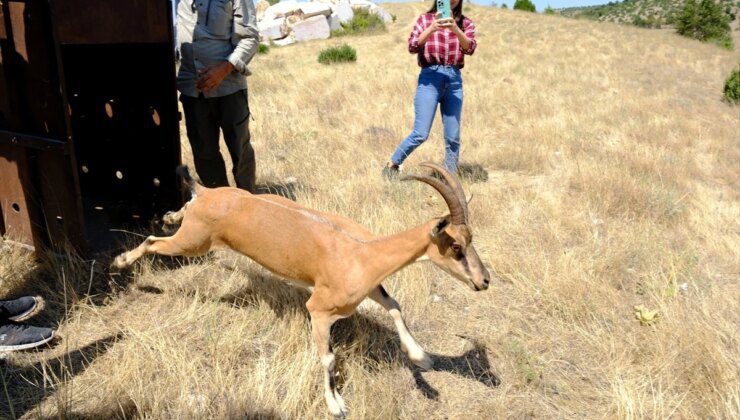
612 180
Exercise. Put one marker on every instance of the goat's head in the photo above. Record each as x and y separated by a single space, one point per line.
452 247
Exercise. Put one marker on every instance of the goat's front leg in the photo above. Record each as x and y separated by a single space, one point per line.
191 240
321 325
151 245
415 353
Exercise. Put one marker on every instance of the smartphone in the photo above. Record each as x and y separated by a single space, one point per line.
443 6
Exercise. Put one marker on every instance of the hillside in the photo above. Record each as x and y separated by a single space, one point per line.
611 168
650 13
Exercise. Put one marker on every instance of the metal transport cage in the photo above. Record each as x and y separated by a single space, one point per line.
89 124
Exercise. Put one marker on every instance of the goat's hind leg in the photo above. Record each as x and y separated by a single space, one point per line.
172 218
415 353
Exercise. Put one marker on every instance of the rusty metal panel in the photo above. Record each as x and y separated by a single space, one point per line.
4 93
125 124
111 21
3 32
33 142
38 98
37 198
60 201
16 207
5 48
88 152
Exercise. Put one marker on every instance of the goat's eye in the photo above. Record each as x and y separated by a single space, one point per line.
456 247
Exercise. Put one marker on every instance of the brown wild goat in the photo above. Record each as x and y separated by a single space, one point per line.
338 260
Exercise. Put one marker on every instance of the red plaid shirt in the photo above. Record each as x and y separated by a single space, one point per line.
442 46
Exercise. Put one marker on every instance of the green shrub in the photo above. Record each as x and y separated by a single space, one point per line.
650 22
263 49
504 6
705 21
549 10
724 42
273 2
340 54
363 21
728 12
732 87
525 5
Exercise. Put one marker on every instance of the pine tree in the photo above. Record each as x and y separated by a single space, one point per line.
713 22
705 21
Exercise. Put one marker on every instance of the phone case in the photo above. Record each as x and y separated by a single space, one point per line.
443 6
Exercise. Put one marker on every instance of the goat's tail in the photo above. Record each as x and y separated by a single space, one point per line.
191 183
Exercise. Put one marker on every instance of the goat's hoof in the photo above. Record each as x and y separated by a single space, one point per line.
120 262
336 407
167 218
341 415
340 401
424 362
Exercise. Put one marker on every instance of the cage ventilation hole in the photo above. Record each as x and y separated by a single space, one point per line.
16 207
155 116
119 174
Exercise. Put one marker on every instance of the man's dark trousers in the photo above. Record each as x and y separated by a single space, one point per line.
203 119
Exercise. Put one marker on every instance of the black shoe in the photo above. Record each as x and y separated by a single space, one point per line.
18 309
21 337
391 172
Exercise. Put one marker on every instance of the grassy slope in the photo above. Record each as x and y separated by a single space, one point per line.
612 180
660 11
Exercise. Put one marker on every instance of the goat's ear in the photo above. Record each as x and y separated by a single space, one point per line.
443 223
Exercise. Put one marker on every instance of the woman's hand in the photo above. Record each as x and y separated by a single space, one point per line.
433 27
464 41
438 23
448 23
454 28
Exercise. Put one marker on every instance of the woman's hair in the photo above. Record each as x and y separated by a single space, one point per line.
456 12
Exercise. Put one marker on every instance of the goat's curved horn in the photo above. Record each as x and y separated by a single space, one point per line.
457 213
453 181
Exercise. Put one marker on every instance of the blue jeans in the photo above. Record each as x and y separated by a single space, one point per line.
437 85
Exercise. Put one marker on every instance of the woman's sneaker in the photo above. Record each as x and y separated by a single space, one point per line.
19 309
391 172
21 337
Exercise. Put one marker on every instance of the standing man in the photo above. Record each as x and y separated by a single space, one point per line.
217 39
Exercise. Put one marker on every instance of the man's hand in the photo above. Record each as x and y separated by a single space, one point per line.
211 77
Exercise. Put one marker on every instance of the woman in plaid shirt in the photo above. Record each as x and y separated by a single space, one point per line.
441 45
